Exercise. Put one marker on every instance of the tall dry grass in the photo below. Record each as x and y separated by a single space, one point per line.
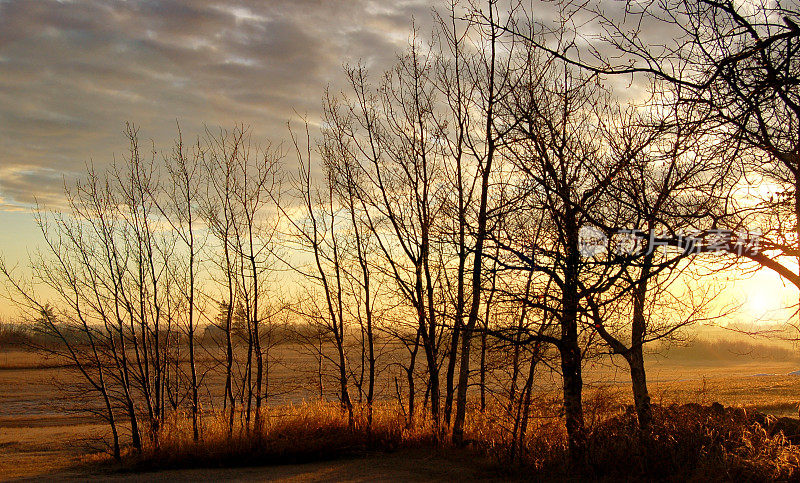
286 434
687 442
691 441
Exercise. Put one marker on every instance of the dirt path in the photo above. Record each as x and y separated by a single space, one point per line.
405 465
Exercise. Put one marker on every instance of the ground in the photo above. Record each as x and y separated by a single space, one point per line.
406 465
38 438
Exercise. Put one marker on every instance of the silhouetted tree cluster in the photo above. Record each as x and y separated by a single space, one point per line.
438 228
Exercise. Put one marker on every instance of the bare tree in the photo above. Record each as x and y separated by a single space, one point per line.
220 164
106 265
180 209
345 180
490 93
317 232
393 145
732 68
566 175
255 196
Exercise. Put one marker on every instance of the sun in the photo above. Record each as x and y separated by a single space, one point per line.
766 297
761 303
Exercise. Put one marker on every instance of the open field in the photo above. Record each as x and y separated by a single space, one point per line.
39 437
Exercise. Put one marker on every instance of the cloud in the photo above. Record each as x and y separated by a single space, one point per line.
18 180
74 72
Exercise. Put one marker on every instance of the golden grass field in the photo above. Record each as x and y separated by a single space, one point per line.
40 437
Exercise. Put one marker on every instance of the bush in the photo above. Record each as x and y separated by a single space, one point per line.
690 441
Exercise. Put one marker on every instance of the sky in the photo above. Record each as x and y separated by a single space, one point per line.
72 73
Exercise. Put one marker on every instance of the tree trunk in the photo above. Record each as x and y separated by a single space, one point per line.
259 372
451 369
573 404
485 169
483 372
229 366
410 377
136 440
635 357
641 396
518 444
195 429
344 393
570 351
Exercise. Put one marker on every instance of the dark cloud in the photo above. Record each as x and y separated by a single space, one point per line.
72 73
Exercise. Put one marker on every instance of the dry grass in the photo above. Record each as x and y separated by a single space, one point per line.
288 434
693 443
688 442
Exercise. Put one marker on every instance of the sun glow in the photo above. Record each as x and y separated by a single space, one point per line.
766 298
761 303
